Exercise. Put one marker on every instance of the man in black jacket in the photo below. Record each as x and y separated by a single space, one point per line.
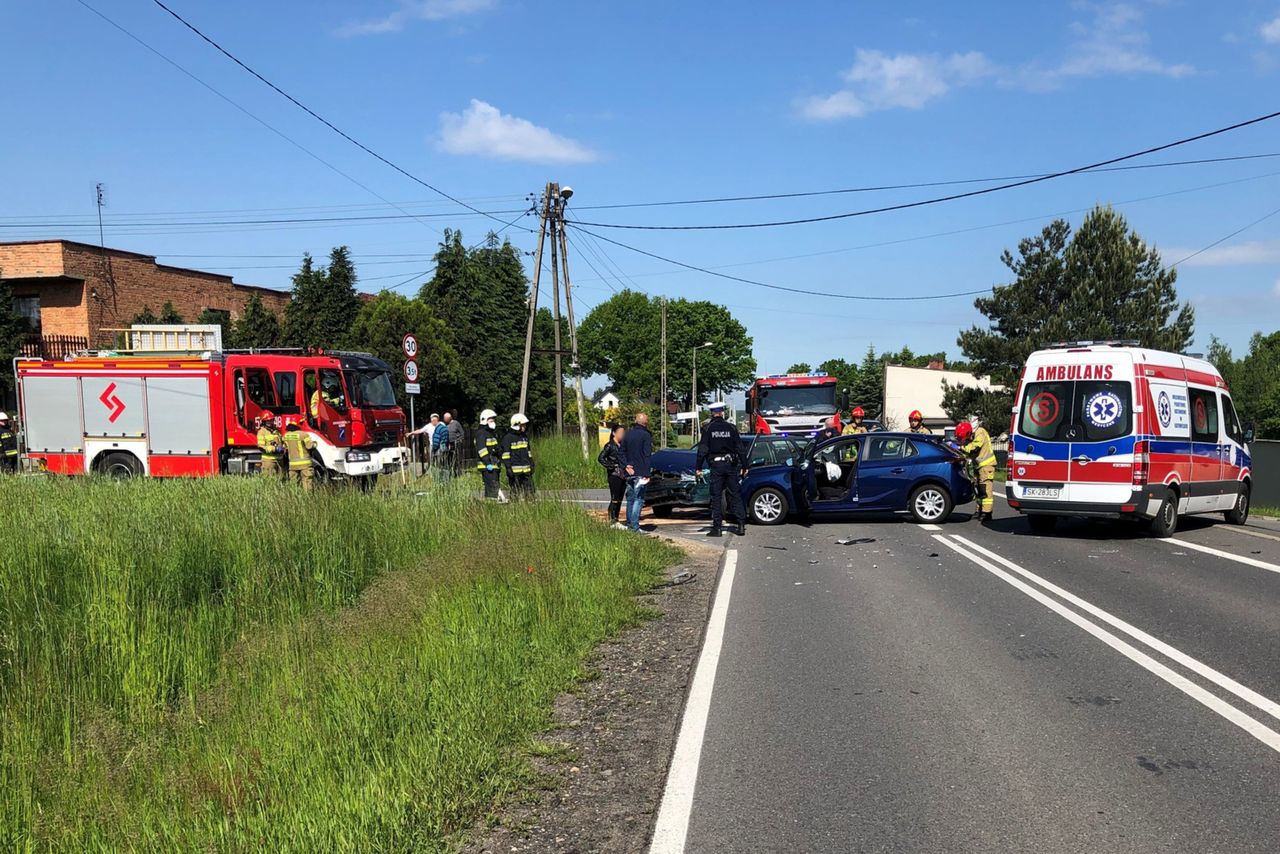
634 454
487 451
720 451
516 457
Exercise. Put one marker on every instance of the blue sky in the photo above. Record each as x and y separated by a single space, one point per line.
645 102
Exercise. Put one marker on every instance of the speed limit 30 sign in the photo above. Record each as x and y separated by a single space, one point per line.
410 346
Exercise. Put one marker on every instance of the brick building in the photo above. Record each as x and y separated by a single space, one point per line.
79 292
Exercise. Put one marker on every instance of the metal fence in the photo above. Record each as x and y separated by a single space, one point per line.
1266 472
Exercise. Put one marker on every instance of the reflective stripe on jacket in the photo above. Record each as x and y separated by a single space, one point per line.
271 443
515 453
8 442
979 447
487 449
299 446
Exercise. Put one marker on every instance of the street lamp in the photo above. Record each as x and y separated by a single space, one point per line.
696 424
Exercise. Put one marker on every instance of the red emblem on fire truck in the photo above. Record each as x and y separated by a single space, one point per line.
110 401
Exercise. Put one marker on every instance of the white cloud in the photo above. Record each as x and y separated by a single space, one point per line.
1114 42
482 129
1271 31
416 10
1234 255
879 81
1276 288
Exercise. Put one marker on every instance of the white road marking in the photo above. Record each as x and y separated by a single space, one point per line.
677 799
1221 680
927 527
1256 728
1248 561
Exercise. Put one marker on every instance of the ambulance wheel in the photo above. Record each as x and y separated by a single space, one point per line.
1239 514
120 466
768 506
1042 524
1166 521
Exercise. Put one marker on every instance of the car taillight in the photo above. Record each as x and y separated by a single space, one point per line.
762 426
1141 462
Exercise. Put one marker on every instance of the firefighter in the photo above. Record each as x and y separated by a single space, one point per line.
8 446
270 443
855 424
516 457
299 446
487 451
977 444
721 451
916 422
330 391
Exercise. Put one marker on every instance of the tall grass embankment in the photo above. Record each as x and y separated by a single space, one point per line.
234 665
559 463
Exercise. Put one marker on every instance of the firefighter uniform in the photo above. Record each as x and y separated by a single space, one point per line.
8 446
299 446
517 459
854 427
978 447
720 449
915 423
920 429
271 444
488 449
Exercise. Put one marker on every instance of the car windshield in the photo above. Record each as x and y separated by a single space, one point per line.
798 400
371 388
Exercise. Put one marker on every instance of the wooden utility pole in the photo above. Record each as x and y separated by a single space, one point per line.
662 409
533 297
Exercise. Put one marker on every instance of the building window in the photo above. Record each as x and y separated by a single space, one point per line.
28 308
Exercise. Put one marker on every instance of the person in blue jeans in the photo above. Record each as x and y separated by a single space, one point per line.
634 455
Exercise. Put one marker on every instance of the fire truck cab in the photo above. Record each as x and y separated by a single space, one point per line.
171 415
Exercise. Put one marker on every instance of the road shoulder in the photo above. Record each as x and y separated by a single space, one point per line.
604 764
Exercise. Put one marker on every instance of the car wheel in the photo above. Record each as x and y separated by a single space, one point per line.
662 511
768 507
929 503
120 466
1042 524
1239 514
1166 521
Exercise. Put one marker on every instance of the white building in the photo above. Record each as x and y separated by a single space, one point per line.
608 400
907 389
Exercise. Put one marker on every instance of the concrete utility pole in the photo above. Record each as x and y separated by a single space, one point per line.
551 220
662 409
697 425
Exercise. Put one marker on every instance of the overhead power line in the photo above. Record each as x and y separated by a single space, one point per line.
339 131
269 221
1201 251
806 291
940 199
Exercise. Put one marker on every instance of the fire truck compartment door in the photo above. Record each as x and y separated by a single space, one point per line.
113 406
51 406
178 415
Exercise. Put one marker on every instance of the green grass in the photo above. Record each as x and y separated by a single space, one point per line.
1269 512
231 665
558 462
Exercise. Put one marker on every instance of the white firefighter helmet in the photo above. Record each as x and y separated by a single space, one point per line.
487 414
4 416
518 419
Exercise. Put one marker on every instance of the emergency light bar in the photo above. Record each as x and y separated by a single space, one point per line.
1119 342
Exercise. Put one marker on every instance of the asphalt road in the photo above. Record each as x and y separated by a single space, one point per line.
979 688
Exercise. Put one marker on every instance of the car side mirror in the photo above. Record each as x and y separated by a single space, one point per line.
1248 434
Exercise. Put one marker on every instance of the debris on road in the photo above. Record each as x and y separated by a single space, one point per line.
853 541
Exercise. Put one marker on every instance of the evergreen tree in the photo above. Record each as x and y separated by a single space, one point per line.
257 328
169 314
867 390
212 317
14 330
1254 381
324 303
1102 283
146 316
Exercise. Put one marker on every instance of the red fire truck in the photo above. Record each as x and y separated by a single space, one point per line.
792 404
174 415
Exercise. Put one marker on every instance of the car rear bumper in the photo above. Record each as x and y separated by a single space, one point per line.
1142 504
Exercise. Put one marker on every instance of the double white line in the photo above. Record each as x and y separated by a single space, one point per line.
997 566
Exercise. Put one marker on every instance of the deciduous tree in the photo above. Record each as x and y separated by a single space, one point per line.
380 327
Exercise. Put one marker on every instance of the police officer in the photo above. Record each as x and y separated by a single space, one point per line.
916 423
855 425
271 444
8 446
516 457
977 444
720 450
487 452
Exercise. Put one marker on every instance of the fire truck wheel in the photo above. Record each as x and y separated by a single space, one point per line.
1239 514
120 466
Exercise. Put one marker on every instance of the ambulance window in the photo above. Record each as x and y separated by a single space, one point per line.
1044 408
1104 410
1231 422
1204 416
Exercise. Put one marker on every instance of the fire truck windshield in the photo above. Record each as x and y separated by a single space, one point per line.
371 388
798 400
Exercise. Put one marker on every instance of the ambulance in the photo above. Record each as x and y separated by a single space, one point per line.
1113 430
